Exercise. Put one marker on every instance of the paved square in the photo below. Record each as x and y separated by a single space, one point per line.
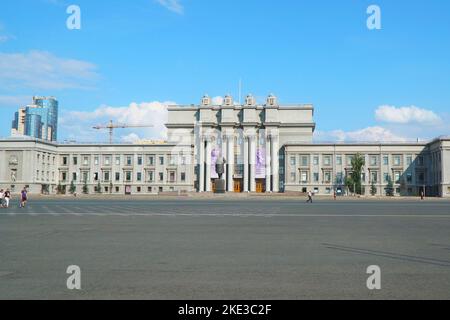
251 248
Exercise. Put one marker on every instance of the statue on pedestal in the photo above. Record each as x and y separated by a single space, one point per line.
220 169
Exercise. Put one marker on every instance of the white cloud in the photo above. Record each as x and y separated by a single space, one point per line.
404 115
217 101
370 134
14 101
172 5
43 70
78 124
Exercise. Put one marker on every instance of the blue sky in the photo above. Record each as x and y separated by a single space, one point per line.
131 58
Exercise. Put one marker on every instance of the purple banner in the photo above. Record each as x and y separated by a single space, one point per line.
261 163
215 153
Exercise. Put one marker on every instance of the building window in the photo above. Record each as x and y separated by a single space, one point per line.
96 176
118 161
75 161
386 177
139 189
397 160
128 176
117 189
64 161
117 176
327 160
292 161
74 176
339 178
327 177
409 160
161 176
373 160
304 177
172 176
183 160
139 161
106 176
151 160
161 161
374 177
85 161
107 160
129 160
316 177
292 176
149 189
305 161
151 176
139 176
339 160
96 161
63 176
397 176
385 160
183 177
316 160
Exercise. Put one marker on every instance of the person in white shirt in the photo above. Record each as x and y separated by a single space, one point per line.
309 197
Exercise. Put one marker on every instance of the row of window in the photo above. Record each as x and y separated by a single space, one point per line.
128 160
42 159
374 160
128 176
45 175
340 177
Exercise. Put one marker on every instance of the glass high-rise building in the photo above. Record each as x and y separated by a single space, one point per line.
38 120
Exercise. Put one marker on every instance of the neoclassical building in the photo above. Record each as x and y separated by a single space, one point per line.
266 147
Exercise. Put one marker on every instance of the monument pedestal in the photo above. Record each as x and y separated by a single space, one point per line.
220 186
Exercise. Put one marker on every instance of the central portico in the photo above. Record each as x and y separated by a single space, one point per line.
249 136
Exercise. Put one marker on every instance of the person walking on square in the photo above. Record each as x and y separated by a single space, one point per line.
309 197
7 196
23 198
2 199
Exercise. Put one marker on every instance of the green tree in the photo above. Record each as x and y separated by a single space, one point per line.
59 188
72 187
353 182
390 187
85 187
99 187
373 188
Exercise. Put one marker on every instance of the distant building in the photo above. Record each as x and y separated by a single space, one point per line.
38 120
267 148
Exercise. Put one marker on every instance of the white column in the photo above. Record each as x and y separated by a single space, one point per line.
275 165
208 165
268 164
252 158
230 161
246 162
201 160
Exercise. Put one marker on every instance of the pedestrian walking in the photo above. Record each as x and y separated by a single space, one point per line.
7 196
422 195
2 198
334 194
309 197
23 198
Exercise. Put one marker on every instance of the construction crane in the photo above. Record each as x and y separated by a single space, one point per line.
111 126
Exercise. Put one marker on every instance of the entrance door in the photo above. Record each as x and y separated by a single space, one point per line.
260 186
238 185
